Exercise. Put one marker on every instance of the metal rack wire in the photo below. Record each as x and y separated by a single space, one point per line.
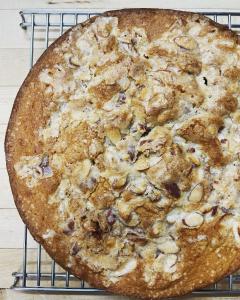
44 26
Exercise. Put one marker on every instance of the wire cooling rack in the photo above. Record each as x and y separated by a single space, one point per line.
39 272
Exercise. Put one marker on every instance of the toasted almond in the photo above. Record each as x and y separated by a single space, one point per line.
168 247
194 159
113 134
193 219
158 228
119 181
212 129
142 163
196 193
125 268
124 209
139 185
74 61
134 221
85 168
153 160
174 215
169 263
186 42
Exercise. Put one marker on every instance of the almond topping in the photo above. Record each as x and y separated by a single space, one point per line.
124 209
74 61
168 247
169 263
85 168
193 219
134 221
158 228
119 181
142 164
126 268
196 194
186 42
139 185
114 135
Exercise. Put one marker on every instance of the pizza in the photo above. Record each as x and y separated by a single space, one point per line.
123 151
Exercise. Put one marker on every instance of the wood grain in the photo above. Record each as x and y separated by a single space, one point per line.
14 65
12 229
6 200
23 41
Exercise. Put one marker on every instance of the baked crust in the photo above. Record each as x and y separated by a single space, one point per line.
202 261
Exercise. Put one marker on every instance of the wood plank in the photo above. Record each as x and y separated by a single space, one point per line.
10 19
2 152
7 93
6 200
5 108
20 38
10 261
12 230
16 4
14 64
12 295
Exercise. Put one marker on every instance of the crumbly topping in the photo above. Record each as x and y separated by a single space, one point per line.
145 136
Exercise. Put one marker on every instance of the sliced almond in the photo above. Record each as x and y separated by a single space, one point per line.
194 159
196 194
118 182
95 148
134 221
125 268
113 134
86 166
174 215
186 42
74 61
139 185
193 219
158 228
142 163
153 160
169 263
168 247
124 209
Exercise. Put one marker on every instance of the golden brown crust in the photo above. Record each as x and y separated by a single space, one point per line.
207 264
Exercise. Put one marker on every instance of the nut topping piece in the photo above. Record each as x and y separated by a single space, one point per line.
168 247
169 263
142 163
174 215
126 268
158 228
113 134
139 185
186 42
74 61
196 193
119 181
84 167
193 219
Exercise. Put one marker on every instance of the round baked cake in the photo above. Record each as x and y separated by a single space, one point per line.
123 151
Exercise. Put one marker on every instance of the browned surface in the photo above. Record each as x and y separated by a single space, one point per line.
204 267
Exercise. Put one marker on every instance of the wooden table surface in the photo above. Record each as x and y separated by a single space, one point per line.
14 64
